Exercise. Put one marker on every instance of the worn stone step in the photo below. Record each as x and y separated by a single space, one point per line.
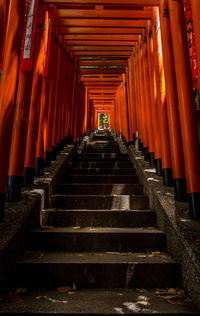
96 239
131 270
100 171
100 159
99 218
104 138
100 164
106 179
96 150
98 302
103 155
102 189
100 202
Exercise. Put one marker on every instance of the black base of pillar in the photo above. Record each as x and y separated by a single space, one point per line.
2 205
167 177
29 174
194 205
134 138
66 140
53 153
70 139
130 143
139 144
58 148
151 159
180 190
62 144
14 188
158 164
146 153
47 160
39 167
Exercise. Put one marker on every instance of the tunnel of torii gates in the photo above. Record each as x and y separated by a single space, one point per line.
63 62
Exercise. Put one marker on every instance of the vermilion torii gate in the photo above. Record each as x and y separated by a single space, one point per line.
63 60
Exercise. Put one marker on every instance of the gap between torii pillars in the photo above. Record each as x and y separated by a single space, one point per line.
186 106
8 89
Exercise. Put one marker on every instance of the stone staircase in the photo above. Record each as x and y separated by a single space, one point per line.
101 240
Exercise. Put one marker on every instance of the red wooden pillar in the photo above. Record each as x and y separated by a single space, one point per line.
133 96
50 99
148 110
20 125
153 94
161 103
186 106
144 145
172 106
55 145
4 5
8 89
34 114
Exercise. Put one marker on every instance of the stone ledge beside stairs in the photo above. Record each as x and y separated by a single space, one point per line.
183 234
23 215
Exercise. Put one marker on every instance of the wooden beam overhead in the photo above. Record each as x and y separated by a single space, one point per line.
104 2
103 63
108 83
98 30
100 23
103 53
101 97
100 48
105 37
102 71
104 14
98 90
101 43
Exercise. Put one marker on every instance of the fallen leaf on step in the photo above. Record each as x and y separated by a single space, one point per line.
21 290
64 289
48 227
14 298
173 296
71 292
76 227
180 303
155 254
166 297
92 228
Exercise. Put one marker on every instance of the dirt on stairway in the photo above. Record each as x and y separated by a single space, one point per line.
98 250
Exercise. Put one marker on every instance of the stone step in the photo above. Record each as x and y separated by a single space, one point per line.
106 179
96 150
98 189
100 159
99 218
104 138
98 302
100 171
102 270
103 155
100 202
96 239
101 164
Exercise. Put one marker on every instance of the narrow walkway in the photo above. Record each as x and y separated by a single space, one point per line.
100 243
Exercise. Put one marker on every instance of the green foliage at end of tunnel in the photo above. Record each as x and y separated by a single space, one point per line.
104 120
